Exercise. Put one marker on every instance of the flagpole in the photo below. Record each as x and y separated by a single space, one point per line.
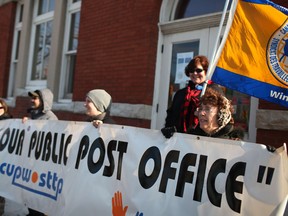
208 75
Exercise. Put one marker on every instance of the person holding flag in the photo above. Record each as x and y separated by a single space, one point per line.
180 115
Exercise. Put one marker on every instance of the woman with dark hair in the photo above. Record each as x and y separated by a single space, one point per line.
4 111
180 115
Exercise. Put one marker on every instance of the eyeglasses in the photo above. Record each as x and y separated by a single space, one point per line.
1 107
207 110
197 70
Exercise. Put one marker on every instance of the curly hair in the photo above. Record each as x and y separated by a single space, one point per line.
203 60
225 110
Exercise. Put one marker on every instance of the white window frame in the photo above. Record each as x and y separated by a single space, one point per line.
16 39
72 8
37 20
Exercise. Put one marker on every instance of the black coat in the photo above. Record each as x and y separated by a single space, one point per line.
5 116
104 117
223 133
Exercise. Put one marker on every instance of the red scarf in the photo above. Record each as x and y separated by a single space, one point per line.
189 106
191 102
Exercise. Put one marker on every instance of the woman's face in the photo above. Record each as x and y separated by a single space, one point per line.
91 110
198 76
2 111
207 115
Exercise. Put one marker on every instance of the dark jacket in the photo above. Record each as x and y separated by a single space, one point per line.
104 117
174 111
223 133
5 116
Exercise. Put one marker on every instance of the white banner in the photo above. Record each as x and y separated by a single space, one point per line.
72 168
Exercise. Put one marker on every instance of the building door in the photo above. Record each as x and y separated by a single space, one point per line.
178 50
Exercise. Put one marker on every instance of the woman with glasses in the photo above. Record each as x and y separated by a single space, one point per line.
215 116
180 115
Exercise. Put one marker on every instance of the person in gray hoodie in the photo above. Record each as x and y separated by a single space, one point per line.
41 105
41 109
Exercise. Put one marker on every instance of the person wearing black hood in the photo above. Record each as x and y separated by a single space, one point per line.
98 104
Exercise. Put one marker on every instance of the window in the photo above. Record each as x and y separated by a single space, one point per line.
70 49
15 50
190 8
41 42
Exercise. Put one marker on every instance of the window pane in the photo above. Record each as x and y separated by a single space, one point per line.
46 6
74 31
76 1
17 45
51 5
71 61
41 51
190 8
241 105
42 8
182 53
21 13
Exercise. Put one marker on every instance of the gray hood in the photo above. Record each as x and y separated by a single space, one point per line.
47 99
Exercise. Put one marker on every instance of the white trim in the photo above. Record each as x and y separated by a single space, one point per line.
252 119
72 8
191 24
37 20
14 61
272 119
125 110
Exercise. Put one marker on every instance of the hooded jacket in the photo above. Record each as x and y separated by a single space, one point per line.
44 112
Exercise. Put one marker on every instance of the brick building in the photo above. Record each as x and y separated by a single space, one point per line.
128 48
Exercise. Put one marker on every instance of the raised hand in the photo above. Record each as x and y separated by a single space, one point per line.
117 206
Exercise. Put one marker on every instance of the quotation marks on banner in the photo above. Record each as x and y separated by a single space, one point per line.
117 206
261 172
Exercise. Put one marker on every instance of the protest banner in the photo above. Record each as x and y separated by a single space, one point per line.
72 168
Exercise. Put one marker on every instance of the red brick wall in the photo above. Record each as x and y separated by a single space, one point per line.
283 3
272 137
117 49
7 20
